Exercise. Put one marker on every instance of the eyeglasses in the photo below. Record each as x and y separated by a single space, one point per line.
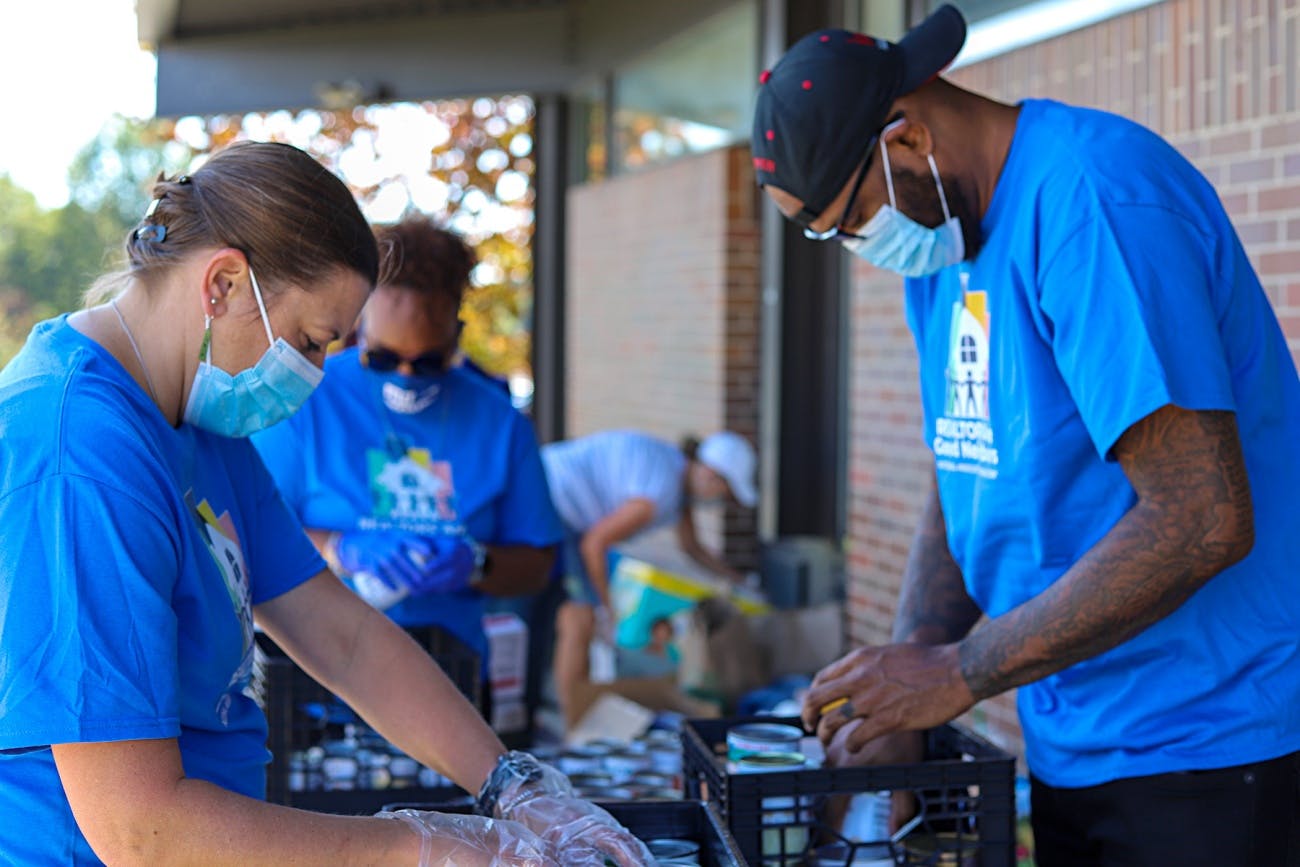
836 231
383 360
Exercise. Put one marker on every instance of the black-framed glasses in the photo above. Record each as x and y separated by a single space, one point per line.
837 231
383 360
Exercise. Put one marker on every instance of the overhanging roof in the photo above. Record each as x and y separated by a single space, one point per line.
218 56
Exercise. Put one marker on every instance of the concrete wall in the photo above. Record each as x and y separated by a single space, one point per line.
1220 80
662 307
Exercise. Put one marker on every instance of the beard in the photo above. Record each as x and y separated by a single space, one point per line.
918 198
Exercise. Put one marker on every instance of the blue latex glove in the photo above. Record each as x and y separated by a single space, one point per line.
392 556
448 568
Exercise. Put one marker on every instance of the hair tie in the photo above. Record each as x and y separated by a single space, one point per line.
155 232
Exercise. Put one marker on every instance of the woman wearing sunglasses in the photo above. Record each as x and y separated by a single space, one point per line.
417 479
141 542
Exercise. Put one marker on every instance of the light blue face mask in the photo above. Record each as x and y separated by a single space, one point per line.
895 242
253 399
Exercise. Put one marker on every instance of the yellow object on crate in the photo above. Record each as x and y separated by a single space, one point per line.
643 594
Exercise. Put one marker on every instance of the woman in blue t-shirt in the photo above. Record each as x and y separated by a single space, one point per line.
418 480
141 541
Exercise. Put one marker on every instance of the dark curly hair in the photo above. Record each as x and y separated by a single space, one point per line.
424 257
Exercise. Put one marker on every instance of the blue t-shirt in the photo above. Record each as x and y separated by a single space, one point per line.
130 554
466 463
592 476
1110 284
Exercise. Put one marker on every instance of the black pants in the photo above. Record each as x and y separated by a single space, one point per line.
1244 816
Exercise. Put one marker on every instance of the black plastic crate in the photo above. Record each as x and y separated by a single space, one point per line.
304 719
648 820
965 786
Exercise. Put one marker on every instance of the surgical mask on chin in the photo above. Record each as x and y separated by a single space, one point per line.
408 395
895 242
253 399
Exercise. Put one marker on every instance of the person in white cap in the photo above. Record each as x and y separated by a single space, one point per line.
612 485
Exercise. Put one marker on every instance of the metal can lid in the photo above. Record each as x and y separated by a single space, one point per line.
774 733
760 762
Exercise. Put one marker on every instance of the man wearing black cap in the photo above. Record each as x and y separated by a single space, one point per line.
1113 413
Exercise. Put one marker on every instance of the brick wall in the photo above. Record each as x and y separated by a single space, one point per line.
662 307
1219 79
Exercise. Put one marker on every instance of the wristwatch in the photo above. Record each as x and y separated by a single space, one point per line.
482 561
514 771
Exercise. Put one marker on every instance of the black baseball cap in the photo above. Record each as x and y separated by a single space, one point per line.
821 105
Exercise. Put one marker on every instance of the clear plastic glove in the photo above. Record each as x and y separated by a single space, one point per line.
473 841
524 790
448 568
392 556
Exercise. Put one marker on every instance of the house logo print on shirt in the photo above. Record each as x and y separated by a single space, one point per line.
963 437
411 490
222 542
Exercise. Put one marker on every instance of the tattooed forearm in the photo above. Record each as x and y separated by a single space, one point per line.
933 607
1192 520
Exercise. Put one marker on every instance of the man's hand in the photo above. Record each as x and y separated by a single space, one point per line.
899 748
898 687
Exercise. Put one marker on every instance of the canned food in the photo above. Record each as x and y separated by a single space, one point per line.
402 767
593 780
654 780
624 765
845 855
944 849
666 760
788 814
759 738
668 849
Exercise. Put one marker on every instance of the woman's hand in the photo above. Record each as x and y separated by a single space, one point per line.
522 789
474 841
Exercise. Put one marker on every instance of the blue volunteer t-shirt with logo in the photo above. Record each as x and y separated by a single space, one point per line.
1110 284
131 553
465 461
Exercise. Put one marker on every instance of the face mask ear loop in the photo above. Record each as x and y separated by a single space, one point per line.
257 293
889 175
943 200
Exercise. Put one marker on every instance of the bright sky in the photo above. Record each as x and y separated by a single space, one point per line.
67 65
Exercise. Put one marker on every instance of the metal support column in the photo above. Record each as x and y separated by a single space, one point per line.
551 134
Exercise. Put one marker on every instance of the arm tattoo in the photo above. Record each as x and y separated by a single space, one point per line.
1192 520
933 606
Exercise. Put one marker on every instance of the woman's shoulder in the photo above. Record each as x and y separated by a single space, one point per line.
67 407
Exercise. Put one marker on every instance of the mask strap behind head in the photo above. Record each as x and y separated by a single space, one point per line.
943 199
266 321
884 157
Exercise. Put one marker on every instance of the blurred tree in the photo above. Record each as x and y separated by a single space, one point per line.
468 163
116 169
47 259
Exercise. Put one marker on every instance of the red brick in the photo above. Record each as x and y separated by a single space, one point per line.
1286 261
1247 171
1258 232
1279 198
1280 134
1229 143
